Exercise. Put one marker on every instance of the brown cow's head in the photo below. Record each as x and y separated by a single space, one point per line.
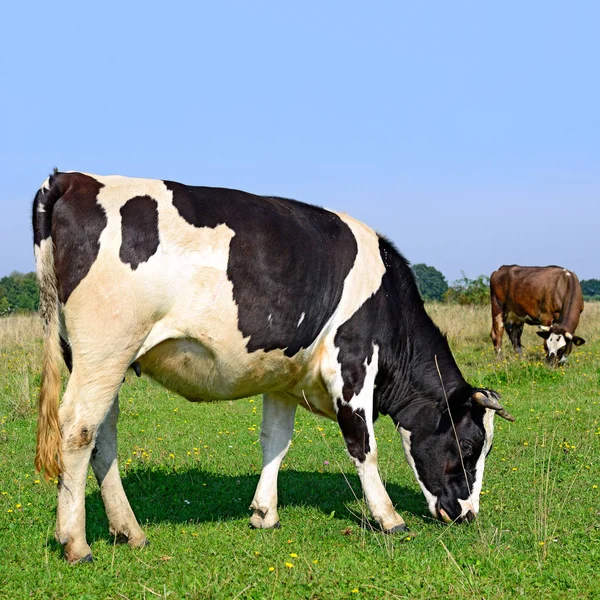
558 344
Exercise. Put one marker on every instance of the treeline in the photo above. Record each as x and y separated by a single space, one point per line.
433 286
19 291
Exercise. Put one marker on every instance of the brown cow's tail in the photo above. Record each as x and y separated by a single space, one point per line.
48 455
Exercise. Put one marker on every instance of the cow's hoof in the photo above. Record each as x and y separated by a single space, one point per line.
256 522
75 555
262 525
138 542
399 529
88 558
265 519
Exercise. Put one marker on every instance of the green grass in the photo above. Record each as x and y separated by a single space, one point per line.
190 473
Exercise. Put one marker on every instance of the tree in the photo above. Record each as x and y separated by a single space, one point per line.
18 293
431 283
591 288
469 291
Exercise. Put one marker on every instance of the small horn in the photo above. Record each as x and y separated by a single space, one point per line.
489 399
543 328
568 335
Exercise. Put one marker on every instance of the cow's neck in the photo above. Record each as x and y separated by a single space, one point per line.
411 347
424 371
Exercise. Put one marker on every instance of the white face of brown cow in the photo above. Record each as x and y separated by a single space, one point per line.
558 345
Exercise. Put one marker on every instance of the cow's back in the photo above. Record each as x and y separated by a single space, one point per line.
540 293
246 283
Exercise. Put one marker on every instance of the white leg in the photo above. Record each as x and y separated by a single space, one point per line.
86 403
121 520
275 437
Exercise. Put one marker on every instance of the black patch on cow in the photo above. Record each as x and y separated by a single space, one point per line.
354 429
43 205
139 230
287 259
394 319
67 353
77 220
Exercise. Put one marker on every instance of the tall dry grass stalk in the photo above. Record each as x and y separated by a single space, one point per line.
20 331
472 324
462 324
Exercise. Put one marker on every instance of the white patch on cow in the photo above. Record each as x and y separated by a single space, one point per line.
555 342
270 317
472 502
46 185
301 319
406 444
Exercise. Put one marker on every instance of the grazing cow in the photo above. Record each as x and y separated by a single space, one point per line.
221 294
549 297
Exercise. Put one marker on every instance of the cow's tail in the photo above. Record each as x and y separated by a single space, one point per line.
48 455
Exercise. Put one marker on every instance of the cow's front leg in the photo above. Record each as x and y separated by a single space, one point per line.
357 429
121 520
275 438
355 417
497 325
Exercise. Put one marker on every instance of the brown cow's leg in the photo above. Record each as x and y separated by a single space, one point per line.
121 520
497 325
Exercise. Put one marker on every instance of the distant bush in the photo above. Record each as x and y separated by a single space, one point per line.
18 293
469 291
431 283
591 289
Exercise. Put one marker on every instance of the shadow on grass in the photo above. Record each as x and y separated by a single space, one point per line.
198 496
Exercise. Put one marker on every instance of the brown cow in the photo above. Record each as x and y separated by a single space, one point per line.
549 297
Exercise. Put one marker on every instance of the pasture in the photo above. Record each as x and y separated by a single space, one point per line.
190 472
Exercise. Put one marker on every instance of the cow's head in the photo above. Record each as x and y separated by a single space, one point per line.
448 452
558 344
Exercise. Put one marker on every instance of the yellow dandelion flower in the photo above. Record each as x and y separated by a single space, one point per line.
294 555
355 591
271 568
289 565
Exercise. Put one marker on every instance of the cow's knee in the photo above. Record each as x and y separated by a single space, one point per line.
79 436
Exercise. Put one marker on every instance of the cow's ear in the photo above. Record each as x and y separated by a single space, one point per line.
544 334
578 341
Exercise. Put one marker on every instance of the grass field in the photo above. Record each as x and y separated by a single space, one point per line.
190 473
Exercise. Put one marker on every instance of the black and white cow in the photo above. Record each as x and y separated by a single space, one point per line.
221 294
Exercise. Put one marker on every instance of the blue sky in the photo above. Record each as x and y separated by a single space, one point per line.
467 132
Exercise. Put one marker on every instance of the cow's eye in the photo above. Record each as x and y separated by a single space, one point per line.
466 448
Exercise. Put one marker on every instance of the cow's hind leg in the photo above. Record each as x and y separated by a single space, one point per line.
355 418
275 438
121 520
88 398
